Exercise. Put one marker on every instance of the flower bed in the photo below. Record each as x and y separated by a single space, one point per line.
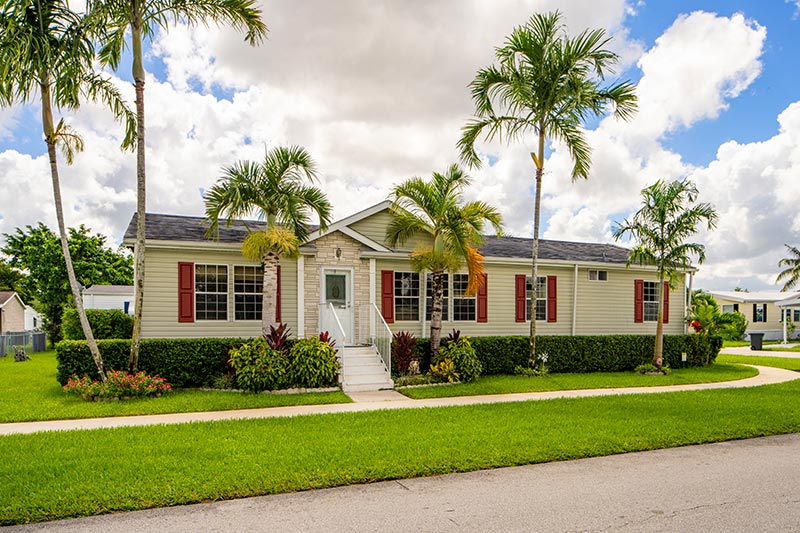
120 385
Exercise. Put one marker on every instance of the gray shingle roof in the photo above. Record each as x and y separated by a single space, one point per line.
193 229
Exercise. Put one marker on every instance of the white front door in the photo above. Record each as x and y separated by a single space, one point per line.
336 290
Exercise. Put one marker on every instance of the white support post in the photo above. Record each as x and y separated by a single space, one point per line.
785 320
372 282
301 300
687 302
575 300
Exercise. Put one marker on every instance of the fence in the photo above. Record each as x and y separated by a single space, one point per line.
33 341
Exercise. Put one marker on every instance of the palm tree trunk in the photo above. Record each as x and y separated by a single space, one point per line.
436 310
49 135
269 315
535 247
141 196
659 348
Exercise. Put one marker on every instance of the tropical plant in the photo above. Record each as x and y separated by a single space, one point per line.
545 84
259 367
278 338
661 228
435 208
462 354
403 343
113 19
790 276
46 53
313 363
275 191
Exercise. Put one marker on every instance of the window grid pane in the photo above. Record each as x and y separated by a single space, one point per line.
211 292
650 306
248 282
445 297
464 307
541 297
406 296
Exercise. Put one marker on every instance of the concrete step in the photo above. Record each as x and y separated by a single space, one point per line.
361 370
366 387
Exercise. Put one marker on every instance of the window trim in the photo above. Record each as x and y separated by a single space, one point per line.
762 308
598 271
471 298
529 308
233 292
420 312
227 293
645 301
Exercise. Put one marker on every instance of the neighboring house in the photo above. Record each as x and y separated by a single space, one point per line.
12 312
791 312
197 287
33 320
759 308
109 297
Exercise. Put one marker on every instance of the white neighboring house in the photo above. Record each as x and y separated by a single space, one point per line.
791 311
33 320
762 309
109 297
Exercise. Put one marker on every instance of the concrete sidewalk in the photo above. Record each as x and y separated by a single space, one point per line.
375 401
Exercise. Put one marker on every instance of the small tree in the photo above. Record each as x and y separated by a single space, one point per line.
661 228
790 276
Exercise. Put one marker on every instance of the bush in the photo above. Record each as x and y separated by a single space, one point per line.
106 324
735 328
313 363
403 344
182 362
461 353
259 367
444 370
119 385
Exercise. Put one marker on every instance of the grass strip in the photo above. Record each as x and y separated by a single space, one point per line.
792 349
29 391
779 362
68 474
599 380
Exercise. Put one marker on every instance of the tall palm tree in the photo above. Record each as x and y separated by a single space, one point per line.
45 51
435 208
545 84
792 273
143 18
275 191
660 228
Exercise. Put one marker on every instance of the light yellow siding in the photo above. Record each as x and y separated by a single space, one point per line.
773 323
160 309
375 226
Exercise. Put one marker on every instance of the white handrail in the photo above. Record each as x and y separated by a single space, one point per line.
338 324
385 351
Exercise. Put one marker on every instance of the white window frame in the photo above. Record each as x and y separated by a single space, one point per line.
645 302
463 297
762 308
227 292
597 277
418 297
540 295
234 293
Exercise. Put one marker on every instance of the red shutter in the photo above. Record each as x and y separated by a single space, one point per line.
185 292
521 304
483 308
387 295
551 299
638 300
666 302
278 298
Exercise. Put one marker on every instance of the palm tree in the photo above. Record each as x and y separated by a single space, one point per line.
45 51
435 208
660 228
547 84
276 192
792 273
143 18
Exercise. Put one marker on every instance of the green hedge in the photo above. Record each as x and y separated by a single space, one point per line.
580 354
183 362
106 324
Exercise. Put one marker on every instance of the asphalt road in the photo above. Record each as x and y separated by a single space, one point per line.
750 485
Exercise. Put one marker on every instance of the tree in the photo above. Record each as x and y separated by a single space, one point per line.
661 228
12 279
275 191
37 250
546 84
46 52
435 208
790 276
706 318
143 18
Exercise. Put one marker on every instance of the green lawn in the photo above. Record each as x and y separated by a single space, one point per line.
600 380
780 362
793 349
29 391
55 475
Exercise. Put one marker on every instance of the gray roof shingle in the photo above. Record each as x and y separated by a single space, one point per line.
193 229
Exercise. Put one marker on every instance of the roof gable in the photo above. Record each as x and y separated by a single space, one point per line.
7 296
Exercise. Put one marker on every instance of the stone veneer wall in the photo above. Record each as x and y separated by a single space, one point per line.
326 257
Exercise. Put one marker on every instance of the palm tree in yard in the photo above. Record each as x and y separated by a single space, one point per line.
792 274
435 208
661 228
45 53
545 85
143 18
276 191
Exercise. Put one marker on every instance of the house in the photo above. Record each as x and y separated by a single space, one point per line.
791 314
760 309
109 297
348 281
12 312
33 320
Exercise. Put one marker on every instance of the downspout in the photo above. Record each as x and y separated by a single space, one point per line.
575 300
301 297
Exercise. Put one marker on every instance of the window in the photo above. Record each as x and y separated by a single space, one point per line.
728 308
445 297
211 292
759 312
248 283
796 315
406 296
598 275
541 297
463 306
650 301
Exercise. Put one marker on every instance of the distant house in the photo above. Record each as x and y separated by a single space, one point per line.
12 312
760 309
109 297
33 320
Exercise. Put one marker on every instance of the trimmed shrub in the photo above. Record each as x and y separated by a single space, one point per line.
313 363
461 353
106 324
259 367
